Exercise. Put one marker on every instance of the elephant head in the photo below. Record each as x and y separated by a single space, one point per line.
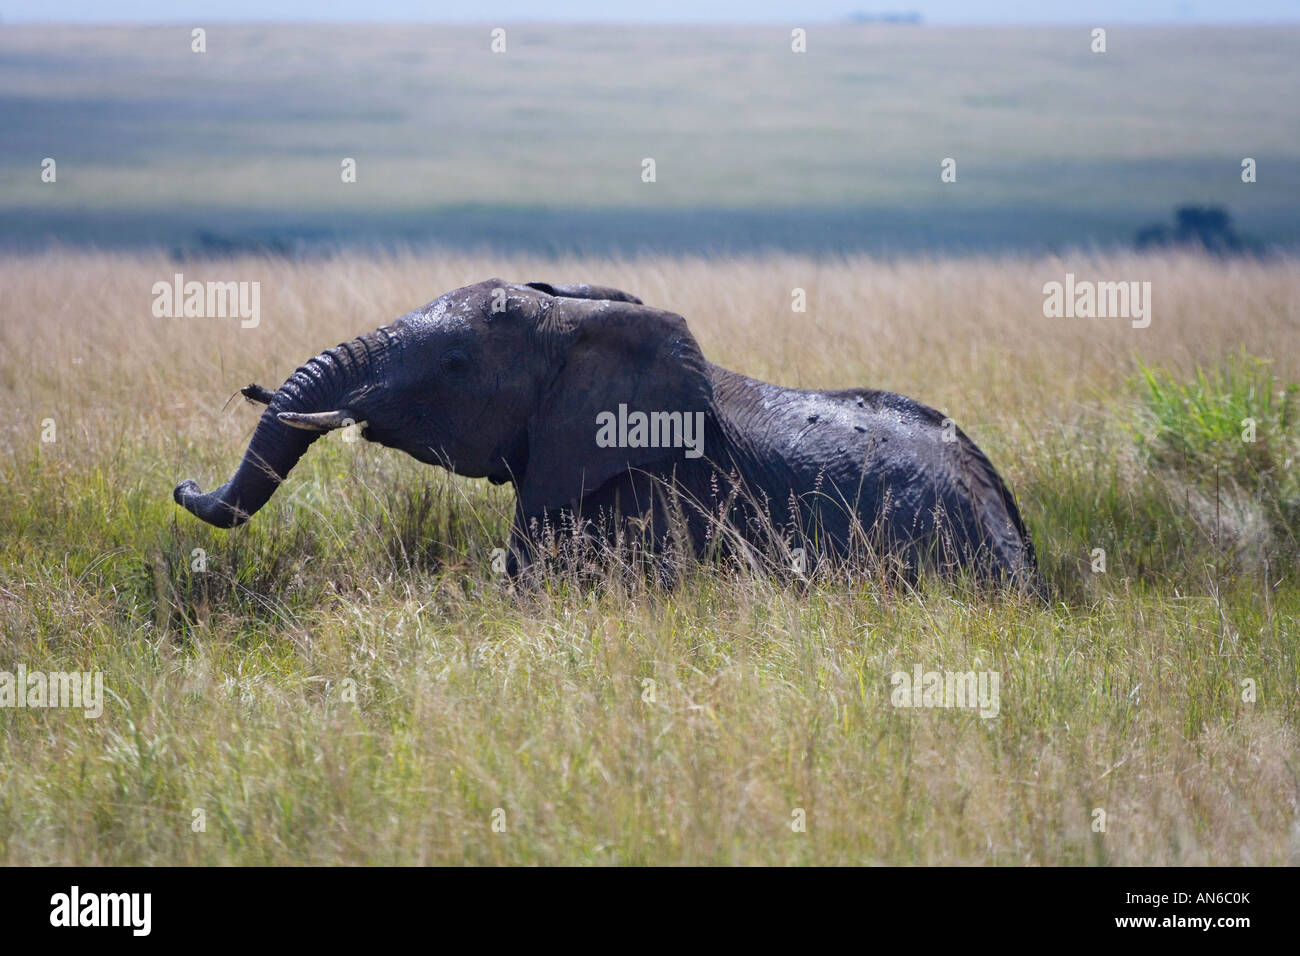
495 380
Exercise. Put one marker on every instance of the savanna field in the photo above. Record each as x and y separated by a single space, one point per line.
347 679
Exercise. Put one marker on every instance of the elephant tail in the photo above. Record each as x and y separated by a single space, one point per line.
1001 530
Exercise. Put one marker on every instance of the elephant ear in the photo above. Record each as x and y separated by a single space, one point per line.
584 291
607 354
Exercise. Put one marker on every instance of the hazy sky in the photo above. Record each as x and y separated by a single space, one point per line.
782 11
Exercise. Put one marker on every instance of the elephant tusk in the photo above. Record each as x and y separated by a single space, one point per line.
319 421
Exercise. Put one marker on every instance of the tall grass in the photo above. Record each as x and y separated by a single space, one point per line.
347 677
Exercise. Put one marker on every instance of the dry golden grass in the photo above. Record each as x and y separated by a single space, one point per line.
228 685
964 334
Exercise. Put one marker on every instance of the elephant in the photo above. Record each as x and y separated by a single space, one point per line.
605 416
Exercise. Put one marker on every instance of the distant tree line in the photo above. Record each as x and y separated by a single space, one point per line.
1198 227
901 16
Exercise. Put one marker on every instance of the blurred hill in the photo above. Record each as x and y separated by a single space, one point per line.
540 148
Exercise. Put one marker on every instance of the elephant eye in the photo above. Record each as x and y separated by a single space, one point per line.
453 362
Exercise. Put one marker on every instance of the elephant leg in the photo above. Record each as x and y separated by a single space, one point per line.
626 522
535 538
519 555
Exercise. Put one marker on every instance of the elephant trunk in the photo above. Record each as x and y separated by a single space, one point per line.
328 382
